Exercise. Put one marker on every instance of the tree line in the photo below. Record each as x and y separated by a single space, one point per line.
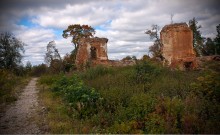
12 49
202 46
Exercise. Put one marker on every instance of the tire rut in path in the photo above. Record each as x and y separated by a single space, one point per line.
19 118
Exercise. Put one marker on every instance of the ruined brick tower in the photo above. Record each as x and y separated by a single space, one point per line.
92 50
177 40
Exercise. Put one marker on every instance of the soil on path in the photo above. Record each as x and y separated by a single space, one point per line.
19 118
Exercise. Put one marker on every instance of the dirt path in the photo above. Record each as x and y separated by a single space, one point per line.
19 117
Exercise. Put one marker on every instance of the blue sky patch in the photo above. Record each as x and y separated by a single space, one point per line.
104 26
58 32
100 28
26 21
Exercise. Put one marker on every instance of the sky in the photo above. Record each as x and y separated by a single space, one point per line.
123 22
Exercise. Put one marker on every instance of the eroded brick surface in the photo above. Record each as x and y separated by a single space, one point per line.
92 49
177 48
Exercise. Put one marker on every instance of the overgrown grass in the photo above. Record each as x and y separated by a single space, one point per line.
10 86
145 98
59 115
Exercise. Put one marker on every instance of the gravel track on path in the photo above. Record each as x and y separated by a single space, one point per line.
19 117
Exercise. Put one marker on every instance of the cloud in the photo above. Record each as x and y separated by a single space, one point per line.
74 14
36 40
123 22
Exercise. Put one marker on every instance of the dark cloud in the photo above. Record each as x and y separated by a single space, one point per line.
35 4
123 22
11 11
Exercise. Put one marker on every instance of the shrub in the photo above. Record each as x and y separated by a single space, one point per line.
127 127
140 105
167 116
83 99
155 124
208 86
170 83
144 98
9 83
49 79
146 71
207 90
95 72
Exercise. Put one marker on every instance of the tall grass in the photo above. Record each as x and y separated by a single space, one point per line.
146 98
10 86
57 117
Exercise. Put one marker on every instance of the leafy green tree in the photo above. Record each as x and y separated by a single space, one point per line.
11 50
209 47
156 48
77 32
197 38
217 40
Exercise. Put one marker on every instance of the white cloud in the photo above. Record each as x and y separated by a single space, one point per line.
73 14
123 22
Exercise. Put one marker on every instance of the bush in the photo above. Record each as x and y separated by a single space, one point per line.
208 86
49 79
83 99
171 110
170 83
9 85
146 71
140 105
144 98
97 71
207 91
39 70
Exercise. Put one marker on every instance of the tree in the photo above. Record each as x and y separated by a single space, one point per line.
28 66
11 50
39 70
68 62
145 57
52 57
217 40
209 47
127 58
134 58
77 32
156 48
197 38
52 53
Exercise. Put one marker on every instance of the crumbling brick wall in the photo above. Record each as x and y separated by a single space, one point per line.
91 49
177 40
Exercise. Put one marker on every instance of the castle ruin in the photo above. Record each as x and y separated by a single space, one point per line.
177 47
92 49
94 52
